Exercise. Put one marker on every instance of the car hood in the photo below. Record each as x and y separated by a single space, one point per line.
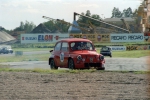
86 52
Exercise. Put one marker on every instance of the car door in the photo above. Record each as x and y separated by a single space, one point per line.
57 54
64 54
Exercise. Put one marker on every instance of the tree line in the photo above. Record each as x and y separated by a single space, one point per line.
116 13
24 26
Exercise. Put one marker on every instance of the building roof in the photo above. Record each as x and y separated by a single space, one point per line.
41 28
129 19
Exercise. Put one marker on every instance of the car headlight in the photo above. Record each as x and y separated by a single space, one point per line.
101 57
79 57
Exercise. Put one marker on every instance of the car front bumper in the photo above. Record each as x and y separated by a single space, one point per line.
87 65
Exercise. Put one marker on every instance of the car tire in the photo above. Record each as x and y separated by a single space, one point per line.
71 64
110 55
52 65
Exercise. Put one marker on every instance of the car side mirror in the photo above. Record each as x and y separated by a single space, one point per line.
51 51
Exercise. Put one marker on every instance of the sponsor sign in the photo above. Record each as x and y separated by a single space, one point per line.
136 37
105 37
92 37
42 38
147 38
118 48
84 36
135 47
29 38
99 38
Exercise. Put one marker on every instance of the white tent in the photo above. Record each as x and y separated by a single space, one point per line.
6 38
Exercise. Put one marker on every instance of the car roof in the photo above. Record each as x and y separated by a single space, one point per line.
74 40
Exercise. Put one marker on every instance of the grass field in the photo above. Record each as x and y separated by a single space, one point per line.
32 49
44 57
45 71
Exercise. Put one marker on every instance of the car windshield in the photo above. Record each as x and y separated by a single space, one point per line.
81 46
105 49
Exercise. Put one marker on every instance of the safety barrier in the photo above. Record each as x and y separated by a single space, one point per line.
18 53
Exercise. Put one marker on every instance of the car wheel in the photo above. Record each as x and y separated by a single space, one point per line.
71 64
52 64
110 55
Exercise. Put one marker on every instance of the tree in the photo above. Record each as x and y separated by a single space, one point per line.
21 25
116 13
127 12
113 12
86 21
95 16
27 27
88 13
135 13
55 25
81 18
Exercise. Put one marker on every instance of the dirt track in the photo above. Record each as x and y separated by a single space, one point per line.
74 86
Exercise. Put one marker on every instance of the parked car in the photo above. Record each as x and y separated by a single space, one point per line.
75 53
5 50
106 51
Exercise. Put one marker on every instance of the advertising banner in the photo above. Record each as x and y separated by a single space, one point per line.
105 37
135 47
53 37
42 38
147 37
118 48
136 37
93 37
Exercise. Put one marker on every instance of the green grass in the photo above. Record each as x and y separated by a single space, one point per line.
35 57
124 43
129 54
46 71
44 57
32 49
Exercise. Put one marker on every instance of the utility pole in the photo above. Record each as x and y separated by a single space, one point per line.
144 13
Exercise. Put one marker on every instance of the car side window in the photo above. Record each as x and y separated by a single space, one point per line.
57 47
65 46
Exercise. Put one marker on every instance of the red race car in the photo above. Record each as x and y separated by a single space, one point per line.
75 53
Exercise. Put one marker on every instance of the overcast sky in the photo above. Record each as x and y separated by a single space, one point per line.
12 12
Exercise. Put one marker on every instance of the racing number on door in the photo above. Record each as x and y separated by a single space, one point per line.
62 57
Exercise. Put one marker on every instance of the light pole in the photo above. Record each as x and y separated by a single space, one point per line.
102 16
